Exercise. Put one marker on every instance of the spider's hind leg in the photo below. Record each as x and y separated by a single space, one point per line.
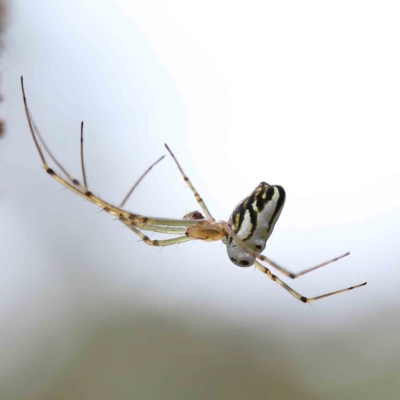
298 296
282 270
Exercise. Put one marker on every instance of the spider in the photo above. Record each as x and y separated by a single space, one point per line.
245 234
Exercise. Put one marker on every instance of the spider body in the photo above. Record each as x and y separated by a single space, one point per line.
245 234
253 221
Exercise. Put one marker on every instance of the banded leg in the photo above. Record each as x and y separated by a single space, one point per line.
84 189
273 263
298 296
192 188
78 189
296 275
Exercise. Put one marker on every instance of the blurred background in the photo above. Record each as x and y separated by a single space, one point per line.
301 94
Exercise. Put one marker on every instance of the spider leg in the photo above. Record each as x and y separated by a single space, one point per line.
82 191
273 263
196 194
296 275
156 228
130 224
147 240
138 181
298 296
51 155
85 189
85 186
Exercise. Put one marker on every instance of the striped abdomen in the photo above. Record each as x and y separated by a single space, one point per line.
253 220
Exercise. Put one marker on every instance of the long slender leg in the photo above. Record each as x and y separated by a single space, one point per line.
129 224
153 228
135 185
156 228
196 194
296 275
85 186
51 155
45 165
148 227
273 263
298 296
109 208
167 242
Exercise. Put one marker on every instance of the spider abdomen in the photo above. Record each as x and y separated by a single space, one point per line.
253 220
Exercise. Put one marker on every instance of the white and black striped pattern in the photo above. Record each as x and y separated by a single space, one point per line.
253 220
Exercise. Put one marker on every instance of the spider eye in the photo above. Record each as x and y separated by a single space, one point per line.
245 263
233 260
258 247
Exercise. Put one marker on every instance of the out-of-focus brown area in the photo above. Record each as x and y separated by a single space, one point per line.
3 12
153 356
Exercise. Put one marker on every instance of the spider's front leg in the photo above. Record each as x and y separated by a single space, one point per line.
192 188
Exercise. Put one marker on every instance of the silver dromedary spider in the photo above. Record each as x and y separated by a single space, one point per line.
245 234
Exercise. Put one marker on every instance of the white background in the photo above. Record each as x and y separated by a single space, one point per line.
301 94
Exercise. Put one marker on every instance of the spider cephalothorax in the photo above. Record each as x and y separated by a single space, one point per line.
204 230
245 234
